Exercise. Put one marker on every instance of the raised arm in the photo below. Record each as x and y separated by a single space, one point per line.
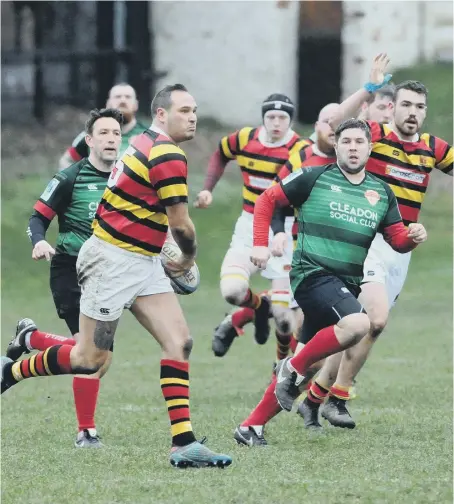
377 79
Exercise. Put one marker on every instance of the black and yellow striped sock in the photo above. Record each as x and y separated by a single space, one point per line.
175 389
283 345
53 361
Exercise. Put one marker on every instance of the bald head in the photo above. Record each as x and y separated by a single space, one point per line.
123 98
328 111
325 134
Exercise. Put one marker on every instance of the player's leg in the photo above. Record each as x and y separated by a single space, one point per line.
85 357
236 271
283 316
337 310
250 432
159 312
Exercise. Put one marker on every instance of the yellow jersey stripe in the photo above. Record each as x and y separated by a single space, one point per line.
172 191
408 194
243 137
167 149
142 213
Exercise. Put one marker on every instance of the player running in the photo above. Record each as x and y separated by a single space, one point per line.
403 158
311 154
260 152
72 196
340 207
120 265
123 98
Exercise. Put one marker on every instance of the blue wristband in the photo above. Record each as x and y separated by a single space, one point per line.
371 88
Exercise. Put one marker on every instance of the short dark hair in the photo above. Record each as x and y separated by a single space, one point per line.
96 114
412 85
162 98
389 91
353 123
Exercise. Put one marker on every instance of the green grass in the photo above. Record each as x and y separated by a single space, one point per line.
400 452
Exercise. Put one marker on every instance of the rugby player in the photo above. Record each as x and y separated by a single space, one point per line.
123 98
404 158
120 265
73 196
378 106
341 207
260 153
311 154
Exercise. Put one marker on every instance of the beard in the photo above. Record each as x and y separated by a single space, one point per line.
351 170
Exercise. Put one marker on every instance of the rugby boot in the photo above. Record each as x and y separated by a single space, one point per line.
335 411
17 346
250 436
197 454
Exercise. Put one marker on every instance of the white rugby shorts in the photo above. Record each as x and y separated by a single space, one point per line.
112 278
386 266
242 242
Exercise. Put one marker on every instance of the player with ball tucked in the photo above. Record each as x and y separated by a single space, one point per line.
120 265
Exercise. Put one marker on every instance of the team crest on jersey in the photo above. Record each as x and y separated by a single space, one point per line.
372 197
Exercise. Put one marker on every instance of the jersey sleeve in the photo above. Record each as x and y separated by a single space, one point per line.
298 185
443 155
376 130
79 148
230 145
55 198
168 171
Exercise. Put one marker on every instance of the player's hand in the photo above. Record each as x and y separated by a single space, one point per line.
204 199
179 268
260 256
42 250
278 244
417 232
378 69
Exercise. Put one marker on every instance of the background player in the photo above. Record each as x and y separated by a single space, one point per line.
120 265
404 158
340 209
123 98
260 152
72 196
378 106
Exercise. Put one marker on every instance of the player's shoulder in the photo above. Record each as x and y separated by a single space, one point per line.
308 172
70 173
167 150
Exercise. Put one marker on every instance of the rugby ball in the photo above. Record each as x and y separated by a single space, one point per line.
184 284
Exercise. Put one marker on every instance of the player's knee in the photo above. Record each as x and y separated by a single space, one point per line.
284 319
360 326
234 290
88 362
187 347
377 324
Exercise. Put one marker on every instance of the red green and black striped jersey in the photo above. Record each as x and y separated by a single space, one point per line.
151 175
406 166
259 163
73 196
337 221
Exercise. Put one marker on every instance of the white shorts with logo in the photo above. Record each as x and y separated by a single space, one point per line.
386 266
112 278
242 242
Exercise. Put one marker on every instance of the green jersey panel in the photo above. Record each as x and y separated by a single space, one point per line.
337 221
74 194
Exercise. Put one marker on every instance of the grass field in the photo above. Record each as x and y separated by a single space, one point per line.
400 452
